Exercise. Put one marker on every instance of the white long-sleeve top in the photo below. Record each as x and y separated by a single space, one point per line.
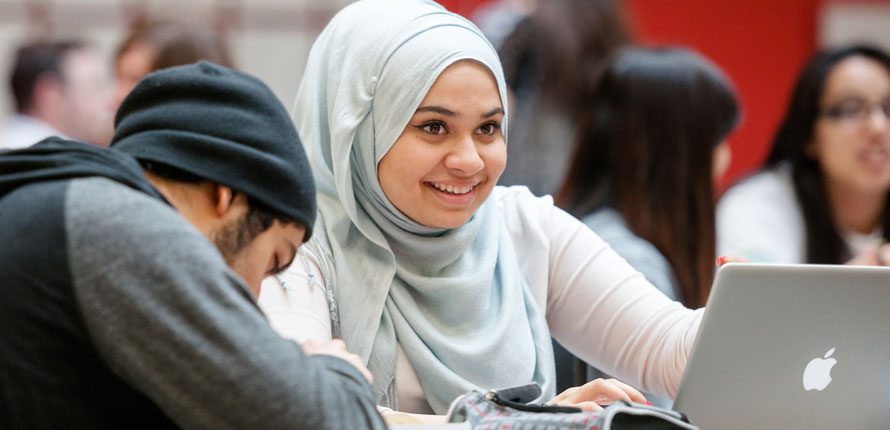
595 303
761 220
21 131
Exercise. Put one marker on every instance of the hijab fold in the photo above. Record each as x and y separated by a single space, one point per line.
454 299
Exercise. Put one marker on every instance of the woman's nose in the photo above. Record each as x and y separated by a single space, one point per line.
878 121
465 157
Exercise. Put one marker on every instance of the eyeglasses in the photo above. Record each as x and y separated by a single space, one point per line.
854 109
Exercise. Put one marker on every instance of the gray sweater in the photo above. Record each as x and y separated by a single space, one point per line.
116 313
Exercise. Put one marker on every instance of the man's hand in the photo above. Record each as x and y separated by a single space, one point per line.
337 348
598 392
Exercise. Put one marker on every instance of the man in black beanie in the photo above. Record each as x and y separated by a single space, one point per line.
116 308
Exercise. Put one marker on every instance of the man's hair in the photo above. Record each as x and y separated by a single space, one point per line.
259 216
36 60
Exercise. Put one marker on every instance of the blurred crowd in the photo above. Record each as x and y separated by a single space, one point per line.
631 140
63 87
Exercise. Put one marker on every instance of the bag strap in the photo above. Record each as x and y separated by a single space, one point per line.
519 397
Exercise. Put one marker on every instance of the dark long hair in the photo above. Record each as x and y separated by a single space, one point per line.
645 147
824 242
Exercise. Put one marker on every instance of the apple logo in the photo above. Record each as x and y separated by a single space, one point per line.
817 374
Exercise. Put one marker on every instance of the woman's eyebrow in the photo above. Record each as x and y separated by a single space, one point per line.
493 112
447 112
436 109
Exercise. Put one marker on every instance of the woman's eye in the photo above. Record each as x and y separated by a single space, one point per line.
488 129
435 128
852 108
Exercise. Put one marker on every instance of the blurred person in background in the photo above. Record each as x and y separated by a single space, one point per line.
650 149
60 89
497 19
822 196
155 45
546 61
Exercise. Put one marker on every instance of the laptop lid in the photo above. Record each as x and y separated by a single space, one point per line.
792 346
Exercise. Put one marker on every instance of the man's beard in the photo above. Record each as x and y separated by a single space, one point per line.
232 238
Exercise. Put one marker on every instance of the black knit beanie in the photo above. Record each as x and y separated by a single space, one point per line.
223 126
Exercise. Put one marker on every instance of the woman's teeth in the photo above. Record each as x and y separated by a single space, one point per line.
452 189
876 156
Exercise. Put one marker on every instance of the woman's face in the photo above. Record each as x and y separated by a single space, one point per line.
851 138
452 152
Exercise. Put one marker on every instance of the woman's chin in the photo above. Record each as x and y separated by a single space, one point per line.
449 222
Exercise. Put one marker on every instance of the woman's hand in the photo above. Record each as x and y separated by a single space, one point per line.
877 254
729 258
590 396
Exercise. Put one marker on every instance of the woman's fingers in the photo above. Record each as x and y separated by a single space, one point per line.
598 391
633 393
608 392
563 395
874 254
883 254
729 258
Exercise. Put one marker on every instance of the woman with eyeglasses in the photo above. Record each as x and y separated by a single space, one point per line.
822 197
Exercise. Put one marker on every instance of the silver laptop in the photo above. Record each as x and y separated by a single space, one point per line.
792 347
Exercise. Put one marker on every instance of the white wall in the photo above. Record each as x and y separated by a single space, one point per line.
268 38
850 22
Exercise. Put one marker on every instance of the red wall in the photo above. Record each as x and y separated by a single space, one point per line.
761 45
463 7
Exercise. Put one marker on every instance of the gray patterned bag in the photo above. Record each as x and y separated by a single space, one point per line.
509 408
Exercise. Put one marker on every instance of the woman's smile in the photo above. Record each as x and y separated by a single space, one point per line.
876 159
453 194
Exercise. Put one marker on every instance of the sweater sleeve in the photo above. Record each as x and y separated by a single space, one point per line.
598 306
172 320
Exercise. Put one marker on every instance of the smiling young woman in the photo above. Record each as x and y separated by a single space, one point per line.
441 281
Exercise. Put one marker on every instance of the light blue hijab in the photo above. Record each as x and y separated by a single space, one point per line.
454 299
